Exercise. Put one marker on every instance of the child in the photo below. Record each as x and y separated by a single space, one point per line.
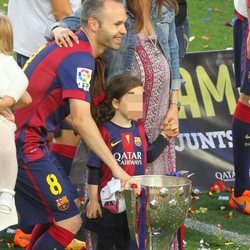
128 142
13 83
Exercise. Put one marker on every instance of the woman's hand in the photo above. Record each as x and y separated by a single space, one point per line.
64 37
170 126
169 129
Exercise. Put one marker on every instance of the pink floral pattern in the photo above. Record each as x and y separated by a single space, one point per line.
152 68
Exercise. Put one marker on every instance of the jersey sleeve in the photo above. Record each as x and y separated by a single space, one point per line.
155 148
18 81
75 73
93 160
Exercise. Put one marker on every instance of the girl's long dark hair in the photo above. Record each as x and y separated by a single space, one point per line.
118 86
97 87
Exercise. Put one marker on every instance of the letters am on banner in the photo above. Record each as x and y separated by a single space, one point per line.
208 100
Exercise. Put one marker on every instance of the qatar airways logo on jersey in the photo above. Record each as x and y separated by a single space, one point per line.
128 158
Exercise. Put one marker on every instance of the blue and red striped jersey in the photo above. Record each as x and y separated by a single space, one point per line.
55 75
129 146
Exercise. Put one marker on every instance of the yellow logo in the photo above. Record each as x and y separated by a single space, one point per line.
115 143
128 138
247 136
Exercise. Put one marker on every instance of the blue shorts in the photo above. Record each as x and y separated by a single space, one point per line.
64 166
241 63
43 192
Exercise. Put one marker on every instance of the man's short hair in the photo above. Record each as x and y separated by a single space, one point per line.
93 8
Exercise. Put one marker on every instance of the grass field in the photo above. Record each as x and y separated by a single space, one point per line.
208 31
214 221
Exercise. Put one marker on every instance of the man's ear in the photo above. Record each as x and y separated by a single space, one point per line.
115 103
93 24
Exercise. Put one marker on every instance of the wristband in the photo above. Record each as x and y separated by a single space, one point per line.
176 102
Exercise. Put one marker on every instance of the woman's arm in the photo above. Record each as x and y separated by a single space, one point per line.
174 57
70 23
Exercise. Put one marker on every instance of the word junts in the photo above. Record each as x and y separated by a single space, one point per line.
206 140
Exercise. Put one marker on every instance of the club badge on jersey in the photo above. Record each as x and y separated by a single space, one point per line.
83 78
62 203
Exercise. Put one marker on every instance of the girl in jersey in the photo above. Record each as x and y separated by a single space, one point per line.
126 138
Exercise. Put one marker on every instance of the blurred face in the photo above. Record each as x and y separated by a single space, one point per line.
112 25
130 106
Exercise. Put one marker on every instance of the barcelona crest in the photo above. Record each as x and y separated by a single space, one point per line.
62 203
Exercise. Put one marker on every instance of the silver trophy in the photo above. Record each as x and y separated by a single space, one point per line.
155 215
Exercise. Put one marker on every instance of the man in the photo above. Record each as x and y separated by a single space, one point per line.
59 86
240 198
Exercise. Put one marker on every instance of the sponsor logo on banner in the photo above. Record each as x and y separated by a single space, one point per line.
83 78
225 176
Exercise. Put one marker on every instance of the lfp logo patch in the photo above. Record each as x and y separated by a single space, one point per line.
83 77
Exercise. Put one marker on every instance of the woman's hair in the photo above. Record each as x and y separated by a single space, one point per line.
118 86
135 6
6 35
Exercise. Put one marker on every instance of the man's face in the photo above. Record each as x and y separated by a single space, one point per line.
112 26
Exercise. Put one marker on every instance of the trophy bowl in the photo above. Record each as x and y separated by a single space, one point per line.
156 214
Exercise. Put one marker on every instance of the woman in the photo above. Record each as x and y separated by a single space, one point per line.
122 106
150 52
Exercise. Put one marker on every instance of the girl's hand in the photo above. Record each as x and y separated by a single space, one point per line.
93 209
63 37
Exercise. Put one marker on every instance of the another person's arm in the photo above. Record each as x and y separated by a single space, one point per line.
64 29
17 83
61 8
93 209
6 102
23 101
175 78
